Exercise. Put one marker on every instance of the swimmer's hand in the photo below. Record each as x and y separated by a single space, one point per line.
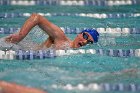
14 38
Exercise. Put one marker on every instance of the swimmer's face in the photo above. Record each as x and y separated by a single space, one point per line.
82 39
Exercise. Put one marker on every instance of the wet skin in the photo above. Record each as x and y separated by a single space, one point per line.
56 35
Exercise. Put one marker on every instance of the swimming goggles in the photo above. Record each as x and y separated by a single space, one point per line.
86 37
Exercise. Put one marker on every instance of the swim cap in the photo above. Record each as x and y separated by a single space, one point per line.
93 33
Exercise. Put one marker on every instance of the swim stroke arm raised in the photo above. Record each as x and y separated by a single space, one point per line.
35 19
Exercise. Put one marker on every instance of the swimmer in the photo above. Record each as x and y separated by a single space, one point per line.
6 87
57 38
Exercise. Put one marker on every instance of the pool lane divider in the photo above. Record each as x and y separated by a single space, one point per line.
42 54
91 15
106 87
69 30
70 2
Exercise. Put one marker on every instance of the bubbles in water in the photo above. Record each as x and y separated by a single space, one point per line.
106 41
37 35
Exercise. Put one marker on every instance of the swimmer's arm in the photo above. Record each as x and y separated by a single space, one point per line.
51 29
45 44
6 87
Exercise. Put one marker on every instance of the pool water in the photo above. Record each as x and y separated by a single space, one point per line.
54 74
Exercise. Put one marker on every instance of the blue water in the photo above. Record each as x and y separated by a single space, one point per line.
76 69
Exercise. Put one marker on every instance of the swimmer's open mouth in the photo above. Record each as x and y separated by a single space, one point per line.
80 44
